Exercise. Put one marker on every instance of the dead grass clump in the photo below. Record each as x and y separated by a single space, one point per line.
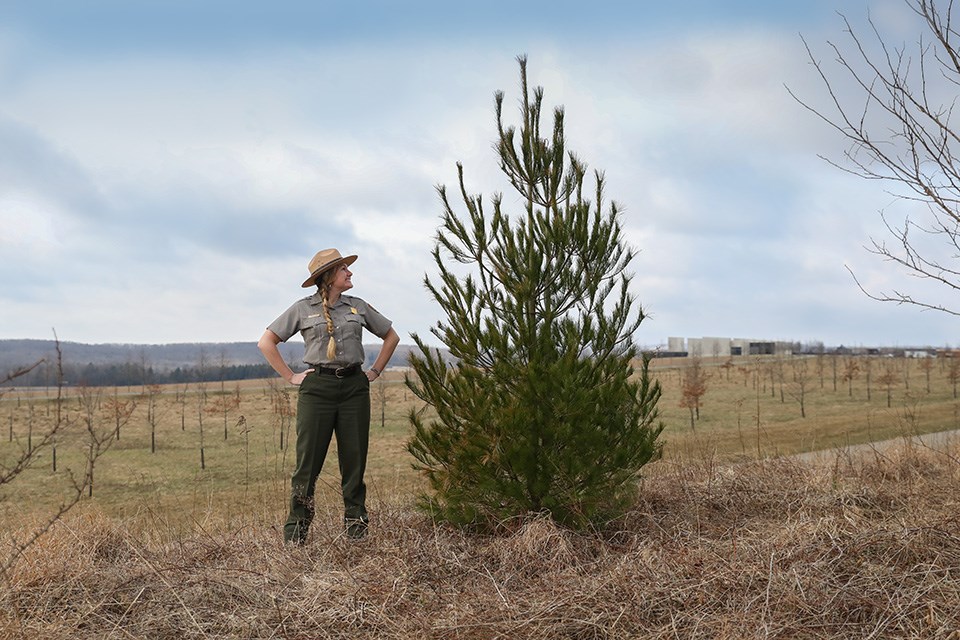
539 546
856 547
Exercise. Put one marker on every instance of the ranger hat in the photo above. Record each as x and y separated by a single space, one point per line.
323 261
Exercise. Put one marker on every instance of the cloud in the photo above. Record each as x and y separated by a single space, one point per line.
177 194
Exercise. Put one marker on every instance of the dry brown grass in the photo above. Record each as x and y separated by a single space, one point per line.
862 545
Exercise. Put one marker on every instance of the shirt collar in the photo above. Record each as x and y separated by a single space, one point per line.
317 299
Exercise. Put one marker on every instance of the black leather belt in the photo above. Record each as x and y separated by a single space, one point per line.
340 372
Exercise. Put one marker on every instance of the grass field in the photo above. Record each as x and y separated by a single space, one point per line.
723 512
750 410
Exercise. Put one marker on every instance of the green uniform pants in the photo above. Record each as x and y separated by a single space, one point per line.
330 405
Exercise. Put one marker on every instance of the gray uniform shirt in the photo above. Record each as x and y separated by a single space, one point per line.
350 315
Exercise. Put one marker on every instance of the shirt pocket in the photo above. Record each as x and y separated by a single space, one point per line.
313 328
353 326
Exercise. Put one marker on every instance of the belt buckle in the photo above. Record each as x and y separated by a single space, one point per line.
337 371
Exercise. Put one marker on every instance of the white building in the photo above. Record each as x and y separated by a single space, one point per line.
715 347
676 345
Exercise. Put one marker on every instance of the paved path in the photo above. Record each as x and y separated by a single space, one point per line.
937 441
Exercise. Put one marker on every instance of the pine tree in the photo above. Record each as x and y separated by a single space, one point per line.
541 409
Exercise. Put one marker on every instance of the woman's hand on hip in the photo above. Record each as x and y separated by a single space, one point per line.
297 378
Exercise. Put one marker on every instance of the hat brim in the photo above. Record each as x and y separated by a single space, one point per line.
312 280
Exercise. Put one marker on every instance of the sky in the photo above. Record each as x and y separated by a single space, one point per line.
168 169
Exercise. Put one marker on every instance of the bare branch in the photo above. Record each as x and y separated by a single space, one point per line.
900 130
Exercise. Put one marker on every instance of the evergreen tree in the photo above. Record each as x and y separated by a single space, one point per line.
542 410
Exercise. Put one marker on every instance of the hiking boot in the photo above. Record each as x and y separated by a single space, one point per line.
356 527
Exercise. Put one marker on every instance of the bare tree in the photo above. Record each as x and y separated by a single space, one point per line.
851 369
202 403
99 437
801 383
381 399
244 429
900 132
224 405
182 399
747 373
694 386
868 376
119 410
926 365
153 397
887 380
12 470
778 368
282 408
953 374
726 366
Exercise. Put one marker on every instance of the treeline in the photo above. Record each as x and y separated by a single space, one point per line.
126 374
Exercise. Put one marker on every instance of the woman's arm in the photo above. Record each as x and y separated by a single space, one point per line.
268 346
390 342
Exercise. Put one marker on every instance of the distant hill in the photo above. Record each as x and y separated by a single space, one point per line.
163 357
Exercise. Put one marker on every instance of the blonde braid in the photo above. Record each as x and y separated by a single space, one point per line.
324 287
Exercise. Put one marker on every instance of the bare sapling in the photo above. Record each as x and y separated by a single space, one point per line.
779 368
223 404
953 374
30 428
926 365
693 389
851 370
868 375
727 366
282 409
747 374
381 396
13 471
743 444
119 410
801 383
758 376
182 400
202 404
887 380
99 437
153 396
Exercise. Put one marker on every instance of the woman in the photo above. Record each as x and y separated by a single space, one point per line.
334 394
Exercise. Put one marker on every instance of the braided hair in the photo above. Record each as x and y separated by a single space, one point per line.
325 281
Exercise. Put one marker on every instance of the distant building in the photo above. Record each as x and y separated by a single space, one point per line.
676 345
716 347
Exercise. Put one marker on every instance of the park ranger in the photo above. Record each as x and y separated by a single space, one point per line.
334 391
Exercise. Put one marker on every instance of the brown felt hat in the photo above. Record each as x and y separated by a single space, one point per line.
323 261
